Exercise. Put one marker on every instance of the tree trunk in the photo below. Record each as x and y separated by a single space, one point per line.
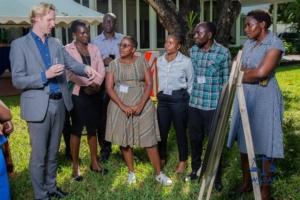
170 17
190 5
175 22
229 11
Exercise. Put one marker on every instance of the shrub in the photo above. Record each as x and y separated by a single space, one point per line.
289 47
235 50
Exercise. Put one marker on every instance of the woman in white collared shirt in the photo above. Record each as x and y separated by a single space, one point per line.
176 74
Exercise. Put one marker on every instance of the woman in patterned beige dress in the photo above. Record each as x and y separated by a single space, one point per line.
131 115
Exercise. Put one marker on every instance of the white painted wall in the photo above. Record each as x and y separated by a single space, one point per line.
282 28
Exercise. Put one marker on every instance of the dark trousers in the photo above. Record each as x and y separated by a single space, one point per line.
200 122
173 108
67 133
105 146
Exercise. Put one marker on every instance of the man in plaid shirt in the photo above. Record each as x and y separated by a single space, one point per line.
211 62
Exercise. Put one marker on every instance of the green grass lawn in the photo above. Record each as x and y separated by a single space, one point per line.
113 185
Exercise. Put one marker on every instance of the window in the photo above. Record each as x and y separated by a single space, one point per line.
131 18
84 2
207 12
102 6
117 9
160 34
144 26
242 28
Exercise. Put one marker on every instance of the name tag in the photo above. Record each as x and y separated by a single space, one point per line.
201 79
167 91
124 88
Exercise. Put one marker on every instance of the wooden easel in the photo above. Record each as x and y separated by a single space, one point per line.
213 157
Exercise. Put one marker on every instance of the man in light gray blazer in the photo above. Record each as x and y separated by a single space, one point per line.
38 65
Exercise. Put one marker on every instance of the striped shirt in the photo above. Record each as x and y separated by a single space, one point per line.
212 67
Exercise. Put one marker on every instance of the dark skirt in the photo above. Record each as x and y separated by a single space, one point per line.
86 112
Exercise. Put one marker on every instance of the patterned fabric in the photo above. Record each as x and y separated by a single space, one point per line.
214 66
264 105
142 130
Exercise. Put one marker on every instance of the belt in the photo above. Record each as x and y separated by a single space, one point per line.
56 96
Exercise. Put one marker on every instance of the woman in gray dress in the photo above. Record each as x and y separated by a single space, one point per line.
261 55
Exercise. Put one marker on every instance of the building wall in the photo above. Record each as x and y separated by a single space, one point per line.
148 38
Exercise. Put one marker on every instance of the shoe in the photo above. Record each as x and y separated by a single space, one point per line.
164 179
131 178
102 171
218 184
192 176
58 193
104 159
236 192
78 178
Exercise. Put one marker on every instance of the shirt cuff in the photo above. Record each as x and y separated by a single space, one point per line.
44 79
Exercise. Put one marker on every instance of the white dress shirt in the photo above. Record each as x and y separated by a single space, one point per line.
175 75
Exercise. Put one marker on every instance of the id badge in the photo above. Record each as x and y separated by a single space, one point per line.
167 91
201 79
124 88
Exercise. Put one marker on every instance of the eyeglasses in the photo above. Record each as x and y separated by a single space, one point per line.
124 46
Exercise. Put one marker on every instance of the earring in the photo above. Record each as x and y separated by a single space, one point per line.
74 38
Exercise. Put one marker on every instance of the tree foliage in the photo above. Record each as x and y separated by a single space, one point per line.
289 13
177 21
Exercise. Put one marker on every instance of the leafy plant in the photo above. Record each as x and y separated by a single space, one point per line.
235 50
191 21
289 48
4 35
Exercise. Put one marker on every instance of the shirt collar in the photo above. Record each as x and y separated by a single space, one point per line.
102 36
73 46
266 40
36 37
212 48
177 59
